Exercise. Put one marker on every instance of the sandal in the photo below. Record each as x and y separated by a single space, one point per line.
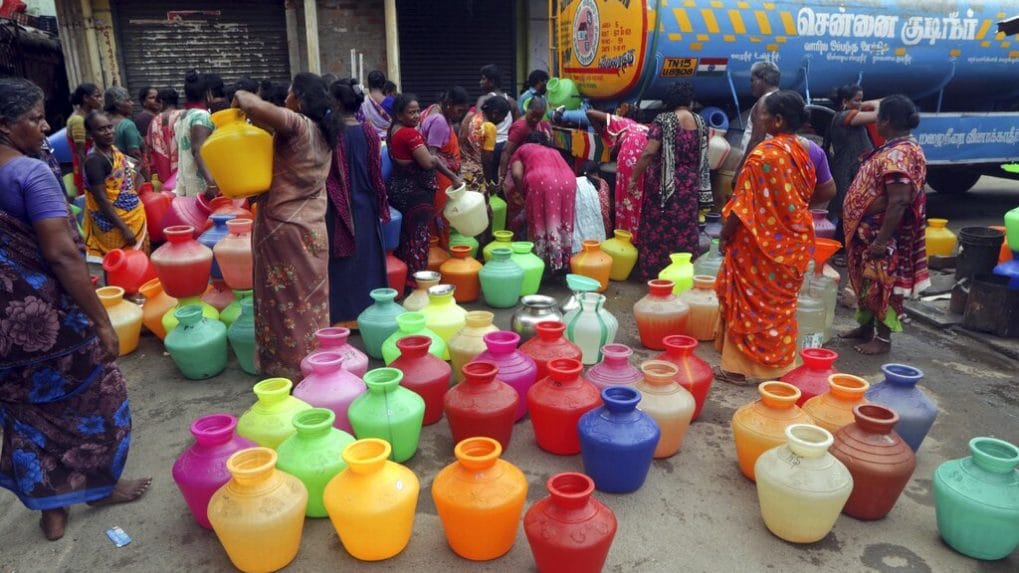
734 378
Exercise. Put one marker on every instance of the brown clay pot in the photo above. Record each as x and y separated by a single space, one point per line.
880 462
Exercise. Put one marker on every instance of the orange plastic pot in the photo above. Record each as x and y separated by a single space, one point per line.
461 271
480 499
760 425
834 408
594 263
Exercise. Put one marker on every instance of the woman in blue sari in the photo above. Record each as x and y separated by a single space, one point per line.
63 403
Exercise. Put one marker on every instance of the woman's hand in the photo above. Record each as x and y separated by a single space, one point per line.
129 238
109 341
878 250
456 182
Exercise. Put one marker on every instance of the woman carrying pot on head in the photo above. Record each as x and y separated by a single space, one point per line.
64 413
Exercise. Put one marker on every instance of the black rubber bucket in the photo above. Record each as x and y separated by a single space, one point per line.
978 251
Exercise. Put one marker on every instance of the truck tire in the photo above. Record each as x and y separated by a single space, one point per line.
952 181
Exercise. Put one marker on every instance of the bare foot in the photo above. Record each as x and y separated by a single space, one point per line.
876 346
862 332
124 492
53 522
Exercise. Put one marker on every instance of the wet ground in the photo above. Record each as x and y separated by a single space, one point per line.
696 512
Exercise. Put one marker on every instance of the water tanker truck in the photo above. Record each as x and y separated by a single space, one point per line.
946 55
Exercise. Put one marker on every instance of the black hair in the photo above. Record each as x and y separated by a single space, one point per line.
401 102
678 94
539 138
900 112
536 77
493 73
790 106
144 92
588 168
194 87
17 97
169 97
245 83
495 105
347 94
376 80
92 117
313 95
329 79
455 95
847 91
273 92
83 91
214 85
389 88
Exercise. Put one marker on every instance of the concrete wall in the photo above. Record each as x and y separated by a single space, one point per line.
342 25
537 36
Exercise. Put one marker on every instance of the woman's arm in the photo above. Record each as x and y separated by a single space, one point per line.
867 114
262 112
507 152
599 119
96 171
199 133
732 223
899 198
426 160
517 172
650 150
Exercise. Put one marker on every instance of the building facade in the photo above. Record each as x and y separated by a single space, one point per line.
424 47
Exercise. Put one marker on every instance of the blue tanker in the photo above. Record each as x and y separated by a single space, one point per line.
946 55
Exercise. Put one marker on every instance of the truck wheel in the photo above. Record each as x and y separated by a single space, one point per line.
952 181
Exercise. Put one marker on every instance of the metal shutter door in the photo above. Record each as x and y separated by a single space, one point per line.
444 44
160 41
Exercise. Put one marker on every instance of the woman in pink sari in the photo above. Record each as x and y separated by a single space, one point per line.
629 139
541 195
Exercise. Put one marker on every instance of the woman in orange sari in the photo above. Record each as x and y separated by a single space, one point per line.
884 217
438 127
768 240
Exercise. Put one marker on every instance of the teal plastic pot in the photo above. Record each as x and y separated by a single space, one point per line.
198 344
242 336
377 322
501 279
976 500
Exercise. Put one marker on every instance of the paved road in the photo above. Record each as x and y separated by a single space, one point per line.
985 204
696 512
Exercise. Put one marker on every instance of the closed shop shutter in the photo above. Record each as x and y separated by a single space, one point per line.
444 43
160 41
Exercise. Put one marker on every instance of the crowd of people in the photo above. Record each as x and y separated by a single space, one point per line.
317 241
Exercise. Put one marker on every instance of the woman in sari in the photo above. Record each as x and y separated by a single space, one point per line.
438 127
159 141
768 238
629 139
114 216
85 99
884 218
372 111
541 200
291 275
533 120
64 413
193 127
677 153
412 185
357 201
